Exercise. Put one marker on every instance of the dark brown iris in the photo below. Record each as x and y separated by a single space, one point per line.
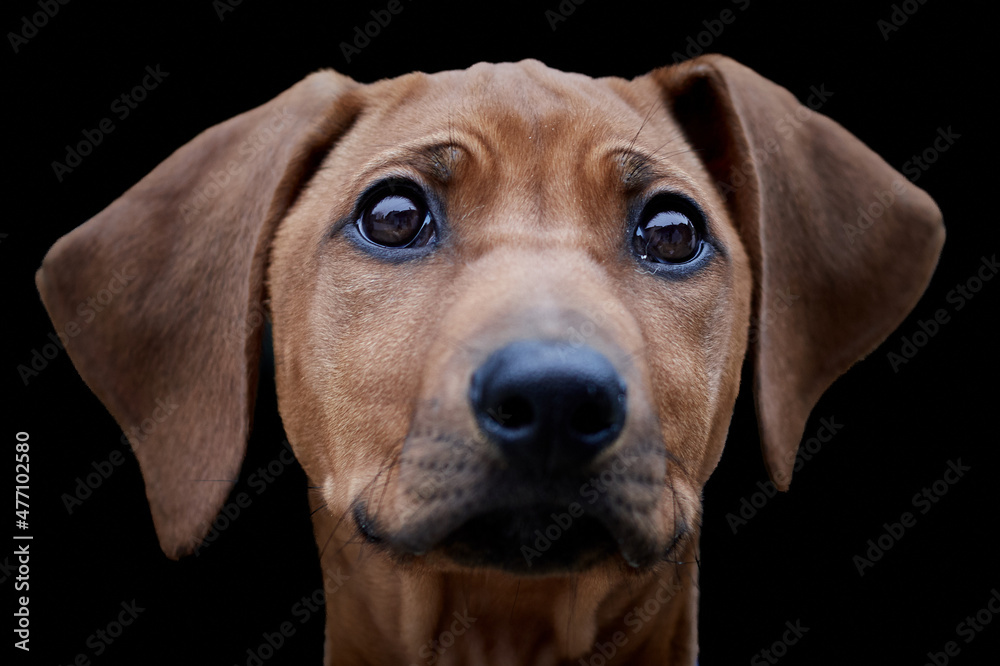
395 220
667 237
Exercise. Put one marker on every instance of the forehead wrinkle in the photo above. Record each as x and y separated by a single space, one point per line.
636 164
436 160
433 157
528 122
634 169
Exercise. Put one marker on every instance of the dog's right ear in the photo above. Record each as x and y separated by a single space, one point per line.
795 182
159 298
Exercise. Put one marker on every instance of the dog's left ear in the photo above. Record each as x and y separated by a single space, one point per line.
841 244
159 297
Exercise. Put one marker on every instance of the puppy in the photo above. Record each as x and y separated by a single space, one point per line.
510 307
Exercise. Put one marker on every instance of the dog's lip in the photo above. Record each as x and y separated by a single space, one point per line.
613 535
366 527
538 539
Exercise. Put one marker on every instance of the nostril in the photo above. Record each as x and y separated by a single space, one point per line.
593 415
512 413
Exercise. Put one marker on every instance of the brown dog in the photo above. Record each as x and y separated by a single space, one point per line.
510 307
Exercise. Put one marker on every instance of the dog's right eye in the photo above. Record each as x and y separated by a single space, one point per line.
396 219
669 231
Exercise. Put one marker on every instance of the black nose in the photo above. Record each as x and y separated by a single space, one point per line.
547 405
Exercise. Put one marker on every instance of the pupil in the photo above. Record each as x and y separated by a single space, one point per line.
394 220
669 236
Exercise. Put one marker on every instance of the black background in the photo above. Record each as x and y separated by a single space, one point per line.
792 561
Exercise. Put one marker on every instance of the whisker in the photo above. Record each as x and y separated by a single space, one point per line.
393 464
649 114
685 150
390 461
572 612
677 134
517 590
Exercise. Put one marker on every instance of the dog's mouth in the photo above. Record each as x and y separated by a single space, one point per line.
533 540
536 540
485 517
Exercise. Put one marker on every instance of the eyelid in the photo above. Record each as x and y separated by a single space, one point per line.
680 203
388 185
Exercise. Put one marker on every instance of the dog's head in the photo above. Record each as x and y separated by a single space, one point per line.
507 302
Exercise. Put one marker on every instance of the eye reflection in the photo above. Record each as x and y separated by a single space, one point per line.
396 221
666 236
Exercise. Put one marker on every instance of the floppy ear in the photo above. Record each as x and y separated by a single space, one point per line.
159 297
841 244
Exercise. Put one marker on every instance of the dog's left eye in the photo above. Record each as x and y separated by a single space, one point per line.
396 219
666 233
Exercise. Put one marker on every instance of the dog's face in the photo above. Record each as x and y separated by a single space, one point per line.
529 306
510 308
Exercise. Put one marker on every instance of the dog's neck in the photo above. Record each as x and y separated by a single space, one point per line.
378 612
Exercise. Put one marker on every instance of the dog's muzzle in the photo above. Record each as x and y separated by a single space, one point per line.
558 475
